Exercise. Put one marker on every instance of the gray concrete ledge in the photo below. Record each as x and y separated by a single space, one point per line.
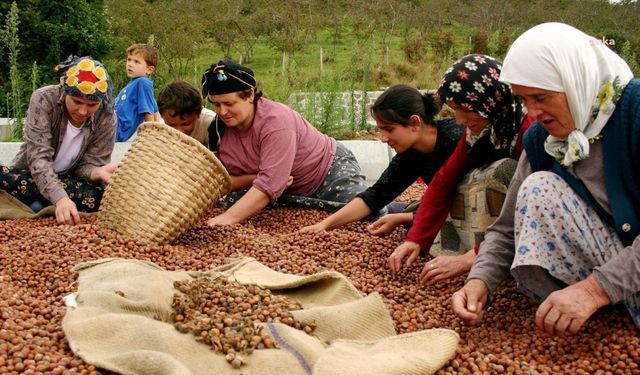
373 156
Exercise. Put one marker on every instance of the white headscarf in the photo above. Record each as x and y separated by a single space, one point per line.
559 57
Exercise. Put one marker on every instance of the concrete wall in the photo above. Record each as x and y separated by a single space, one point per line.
373 156
5 128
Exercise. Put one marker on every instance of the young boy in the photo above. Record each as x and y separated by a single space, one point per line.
180 106
136 102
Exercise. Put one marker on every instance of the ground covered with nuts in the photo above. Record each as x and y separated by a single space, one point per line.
36 257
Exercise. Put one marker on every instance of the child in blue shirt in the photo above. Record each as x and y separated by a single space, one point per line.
136 102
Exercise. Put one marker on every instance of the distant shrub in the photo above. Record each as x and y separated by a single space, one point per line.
415 49
499 43
630 57
480 42
382 76
442 44
405 72
613 40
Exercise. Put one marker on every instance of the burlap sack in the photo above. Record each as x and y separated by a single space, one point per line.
128 331
12 208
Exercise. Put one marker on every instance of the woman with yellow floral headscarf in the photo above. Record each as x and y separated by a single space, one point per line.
69 135
569 230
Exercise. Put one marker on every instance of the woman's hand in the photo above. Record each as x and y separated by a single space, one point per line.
386 224
468 303
445 267
104 173
66 212
315 228
222 219
406 249
569 308
251 203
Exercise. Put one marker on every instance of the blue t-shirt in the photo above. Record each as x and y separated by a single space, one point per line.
133 101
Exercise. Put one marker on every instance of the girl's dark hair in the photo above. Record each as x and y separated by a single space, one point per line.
399 102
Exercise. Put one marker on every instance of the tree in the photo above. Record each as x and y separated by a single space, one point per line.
288 24
178 28
51 31
235 29
9 37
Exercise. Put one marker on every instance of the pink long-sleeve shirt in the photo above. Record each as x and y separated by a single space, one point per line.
278 144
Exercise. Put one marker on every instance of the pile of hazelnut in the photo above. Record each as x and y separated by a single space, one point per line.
36 258
227 315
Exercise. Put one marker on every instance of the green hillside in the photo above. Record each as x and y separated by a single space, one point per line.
294 45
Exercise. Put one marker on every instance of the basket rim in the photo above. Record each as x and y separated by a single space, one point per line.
161 126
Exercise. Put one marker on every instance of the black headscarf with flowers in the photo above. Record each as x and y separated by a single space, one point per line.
472 83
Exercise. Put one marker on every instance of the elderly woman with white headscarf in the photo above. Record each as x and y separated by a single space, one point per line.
569 230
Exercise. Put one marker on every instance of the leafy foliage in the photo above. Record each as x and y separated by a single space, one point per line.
178 28
9 37
365 44
48 32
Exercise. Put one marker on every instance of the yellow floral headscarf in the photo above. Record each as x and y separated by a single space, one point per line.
87 78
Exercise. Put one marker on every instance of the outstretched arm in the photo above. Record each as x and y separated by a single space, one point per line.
386 224
353 211
242 182
250 204
435 203
444 267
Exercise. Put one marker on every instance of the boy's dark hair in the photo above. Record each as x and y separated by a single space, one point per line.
181 97
398 103
149 53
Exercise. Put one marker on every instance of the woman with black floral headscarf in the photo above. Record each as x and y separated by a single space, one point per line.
495 121
69 135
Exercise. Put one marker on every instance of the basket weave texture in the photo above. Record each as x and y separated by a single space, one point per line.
165 182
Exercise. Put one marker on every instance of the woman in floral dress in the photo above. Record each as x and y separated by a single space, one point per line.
569 230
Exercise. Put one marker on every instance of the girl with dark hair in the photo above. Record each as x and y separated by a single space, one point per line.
405 118
271 152
495 121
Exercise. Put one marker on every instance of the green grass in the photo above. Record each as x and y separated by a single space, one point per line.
344 67
347 66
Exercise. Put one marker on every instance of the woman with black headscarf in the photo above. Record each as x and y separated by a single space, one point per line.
271 152
495 121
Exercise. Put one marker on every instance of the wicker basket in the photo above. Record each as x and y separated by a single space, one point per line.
165 182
